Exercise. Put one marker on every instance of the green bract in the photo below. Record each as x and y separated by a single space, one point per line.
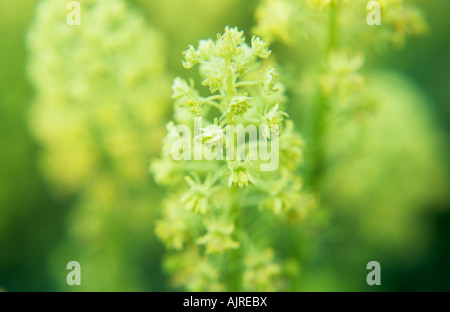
101 91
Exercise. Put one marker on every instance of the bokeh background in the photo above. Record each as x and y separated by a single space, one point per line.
106 221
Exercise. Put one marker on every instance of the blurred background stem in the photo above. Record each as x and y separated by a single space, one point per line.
317 146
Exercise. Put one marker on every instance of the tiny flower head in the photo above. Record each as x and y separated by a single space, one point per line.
240 173
192 104
284 194
214 80
193 271
272 120
239 105
198 197
275 19
269 80
206 49
343 79
190 57
260 48
180 88
165 171
218 237
172 229
212 135
345 61
171 232
261 270
228 44
291 147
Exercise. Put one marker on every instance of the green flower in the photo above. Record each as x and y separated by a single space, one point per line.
272 120
218 237
260 48
206 49
239 105
291 147
276 18
228 44
165 171
191 57
343 80
269 80
172 229
212 135
284 195
186 96
261 271
193 271
214 80
180 88
172 232
345 61
198 198
192 105
240 173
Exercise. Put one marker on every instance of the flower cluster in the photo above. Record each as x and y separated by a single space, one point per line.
340 90
215 202
355 116
100 97
260 270
343 80
289 21
403 21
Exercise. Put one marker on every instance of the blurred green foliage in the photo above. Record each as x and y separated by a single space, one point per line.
390 203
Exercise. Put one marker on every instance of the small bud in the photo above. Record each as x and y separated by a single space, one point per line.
272 120
269 80
218 238
239 105
180 88
191 104
240 173
260 270
213 135
172 228
260 48
197 199
206 49
214 80
191 57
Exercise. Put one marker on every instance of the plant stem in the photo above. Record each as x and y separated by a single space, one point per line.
332 39
320 114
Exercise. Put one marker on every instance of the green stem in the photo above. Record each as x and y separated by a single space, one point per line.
212 98
216 105
320 114
247 83
208 63
332 39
